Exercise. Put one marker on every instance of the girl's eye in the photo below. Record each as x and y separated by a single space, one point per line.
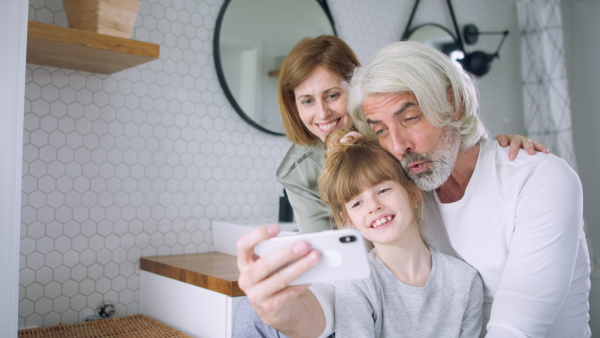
356 204
384 190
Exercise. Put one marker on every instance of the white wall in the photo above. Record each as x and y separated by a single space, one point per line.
580 20
13 33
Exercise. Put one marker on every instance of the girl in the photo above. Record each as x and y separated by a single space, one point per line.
413 291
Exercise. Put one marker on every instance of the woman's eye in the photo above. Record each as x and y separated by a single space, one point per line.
333 95
307 101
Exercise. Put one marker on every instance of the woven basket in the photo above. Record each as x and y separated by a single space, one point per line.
110 17
137 326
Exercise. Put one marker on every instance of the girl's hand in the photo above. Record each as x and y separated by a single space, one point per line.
517 141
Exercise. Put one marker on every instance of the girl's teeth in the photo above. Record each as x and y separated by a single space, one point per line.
382 221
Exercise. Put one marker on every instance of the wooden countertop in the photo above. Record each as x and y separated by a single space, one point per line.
213 270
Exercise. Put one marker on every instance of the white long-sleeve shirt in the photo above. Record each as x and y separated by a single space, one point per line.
520 224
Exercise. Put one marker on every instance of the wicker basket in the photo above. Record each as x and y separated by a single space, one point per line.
136 326
110 17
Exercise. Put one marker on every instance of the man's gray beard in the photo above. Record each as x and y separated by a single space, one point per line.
441 161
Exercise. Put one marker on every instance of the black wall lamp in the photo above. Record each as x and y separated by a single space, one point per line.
478 62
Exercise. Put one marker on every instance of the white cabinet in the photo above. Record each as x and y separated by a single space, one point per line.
195 294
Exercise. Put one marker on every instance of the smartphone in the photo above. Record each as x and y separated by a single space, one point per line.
343 255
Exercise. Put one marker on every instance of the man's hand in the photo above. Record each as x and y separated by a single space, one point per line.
517 141
266 282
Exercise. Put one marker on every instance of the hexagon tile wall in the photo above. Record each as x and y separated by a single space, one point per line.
138 163
132 164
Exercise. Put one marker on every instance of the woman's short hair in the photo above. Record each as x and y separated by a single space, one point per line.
408 66
326 51
355 165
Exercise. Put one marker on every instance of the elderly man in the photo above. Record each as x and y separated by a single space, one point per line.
519 223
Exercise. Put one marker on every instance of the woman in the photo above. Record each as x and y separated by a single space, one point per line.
312 102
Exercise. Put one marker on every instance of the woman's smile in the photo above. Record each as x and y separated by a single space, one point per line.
327 127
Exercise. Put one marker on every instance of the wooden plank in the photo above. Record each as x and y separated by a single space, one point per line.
213 270
56 46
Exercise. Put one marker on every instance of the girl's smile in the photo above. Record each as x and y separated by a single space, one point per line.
383 213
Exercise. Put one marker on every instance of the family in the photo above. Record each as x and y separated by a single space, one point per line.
468 241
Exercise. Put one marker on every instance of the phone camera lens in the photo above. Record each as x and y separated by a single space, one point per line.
348 239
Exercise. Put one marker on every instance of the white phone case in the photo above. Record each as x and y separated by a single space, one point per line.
343 255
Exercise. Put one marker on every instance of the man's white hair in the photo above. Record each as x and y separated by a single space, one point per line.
408 66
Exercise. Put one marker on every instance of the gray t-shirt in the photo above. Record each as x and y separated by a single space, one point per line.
449 305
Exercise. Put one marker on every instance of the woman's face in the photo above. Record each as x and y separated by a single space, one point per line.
322 103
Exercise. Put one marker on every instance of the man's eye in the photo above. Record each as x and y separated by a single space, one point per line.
412 118
379 131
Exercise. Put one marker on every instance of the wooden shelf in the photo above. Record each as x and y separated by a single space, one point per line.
56 46
213 270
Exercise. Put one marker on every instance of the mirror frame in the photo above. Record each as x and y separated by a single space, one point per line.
410 32
456 35
221 74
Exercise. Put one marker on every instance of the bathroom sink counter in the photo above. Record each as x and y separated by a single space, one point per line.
212 271
193 293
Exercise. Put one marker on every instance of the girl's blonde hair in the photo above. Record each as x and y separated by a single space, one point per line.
357 164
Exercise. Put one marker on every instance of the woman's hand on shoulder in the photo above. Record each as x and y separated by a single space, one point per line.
517 142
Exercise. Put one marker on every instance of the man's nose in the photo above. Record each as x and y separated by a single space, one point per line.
400 144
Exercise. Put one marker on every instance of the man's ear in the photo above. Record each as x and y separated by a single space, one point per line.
450 96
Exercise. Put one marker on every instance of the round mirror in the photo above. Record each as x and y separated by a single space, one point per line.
439 37
252 38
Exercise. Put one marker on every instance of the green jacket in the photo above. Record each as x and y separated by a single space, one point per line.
299 174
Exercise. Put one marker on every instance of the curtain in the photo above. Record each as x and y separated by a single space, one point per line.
547 107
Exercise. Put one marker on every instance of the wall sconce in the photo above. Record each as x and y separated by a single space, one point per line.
478 62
